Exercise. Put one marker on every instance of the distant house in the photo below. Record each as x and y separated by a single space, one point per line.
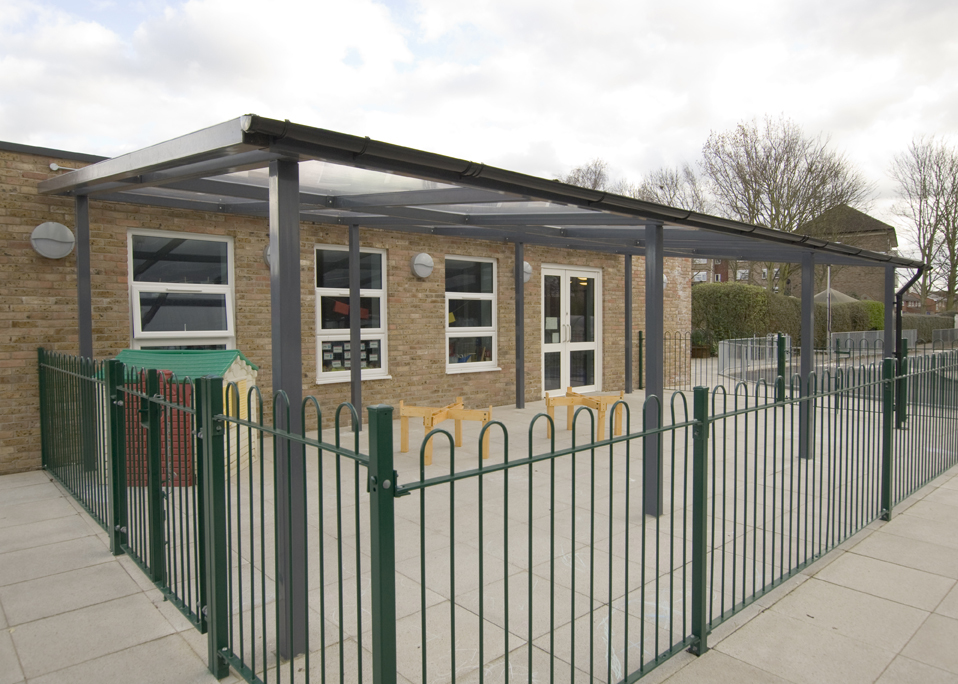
839 224
852 227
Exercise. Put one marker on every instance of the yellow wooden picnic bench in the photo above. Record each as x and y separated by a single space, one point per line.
599 404
431 417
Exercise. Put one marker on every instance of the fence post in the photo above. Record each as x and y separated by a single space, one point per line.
901 394
215 610
780 386
154 494
44 411
115 372
888 410
641 357
382 534
700 437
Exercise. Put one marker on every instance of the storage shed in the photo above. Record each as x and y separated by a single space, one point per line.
179 368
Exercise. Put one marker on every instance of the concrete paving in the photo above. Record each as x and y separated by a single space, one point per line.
883 607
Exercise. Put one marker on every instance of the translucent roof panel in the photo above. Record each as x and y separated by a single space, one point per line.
352 179
336 179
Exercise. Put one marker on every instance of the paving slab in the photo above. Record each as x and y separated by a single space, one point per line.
909 552
888 580
10 672
72 638
949 605
936 643
804 653
721 668
907 671
160 661
873 620
32 535
63 592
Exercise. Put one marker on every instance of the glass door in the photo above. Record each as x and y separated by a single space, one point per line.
570 322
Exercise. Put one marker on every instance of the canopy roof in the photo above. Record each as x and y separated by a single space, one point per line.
346 179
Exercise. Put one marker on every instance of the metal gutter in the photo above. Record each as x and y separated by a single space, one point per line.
899 297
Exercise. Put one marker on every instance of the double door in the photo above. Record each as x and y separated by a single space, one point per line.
570 329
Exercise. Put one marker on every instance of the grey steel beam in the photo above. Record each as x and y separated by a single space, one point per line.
889 336
628 324
84 292
287 354
654 373
408 198
808 351
355 358
520 299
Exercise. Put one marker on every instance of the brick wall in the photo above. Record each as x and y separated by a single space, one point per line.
39 303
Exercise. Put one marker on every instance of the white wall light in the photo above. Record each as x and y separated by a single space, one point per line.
52 240
421 265
526 271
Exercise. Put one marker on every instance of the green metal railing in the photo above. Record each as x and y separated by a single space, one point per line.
526 566
75 449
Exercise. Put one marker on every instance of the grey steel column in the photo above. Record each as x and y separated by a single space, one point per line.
654 363
84 295
808 348
355 358
889 299
287 343
628 324
520 326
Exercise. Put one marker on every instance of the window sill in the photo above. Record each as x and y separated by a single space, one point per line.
344 378
453 370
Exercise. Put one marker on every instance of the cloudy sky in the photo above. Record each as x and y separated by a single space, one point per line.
537 86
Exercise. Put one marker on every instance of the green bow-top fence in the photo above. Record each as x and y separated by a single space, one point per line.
538 563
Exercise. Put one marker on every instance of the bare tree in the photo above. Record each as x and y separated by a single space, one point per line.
927 177
593 175
672 186
773 175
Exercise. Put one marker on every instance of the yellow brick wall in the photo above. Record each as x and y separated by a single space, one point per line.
38 307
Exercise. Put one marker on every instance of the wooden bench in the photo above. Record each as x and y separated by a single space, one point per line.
599 404
431 417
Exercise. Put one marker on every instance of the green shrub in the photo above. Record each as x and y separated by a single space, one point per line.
876 314
730 310
785 315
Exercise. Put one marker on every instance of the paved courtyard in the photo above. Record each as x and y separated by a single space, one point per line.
883 607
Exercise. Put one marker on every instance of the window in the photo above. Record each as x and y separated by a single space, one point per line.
700 277
764 274
334 357
700 262
181 291
741 274
471 338
718 277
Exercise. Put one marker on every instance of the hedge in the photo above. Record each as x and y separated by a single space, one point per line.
730 310
925 324
733 310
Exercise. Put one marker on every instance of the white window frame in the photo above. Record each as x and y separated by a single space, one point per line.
341 335
145 340
479 331
718 277
741 274
700 277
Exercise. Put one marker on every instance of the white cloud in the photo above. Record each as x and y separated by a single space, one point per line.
539 85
